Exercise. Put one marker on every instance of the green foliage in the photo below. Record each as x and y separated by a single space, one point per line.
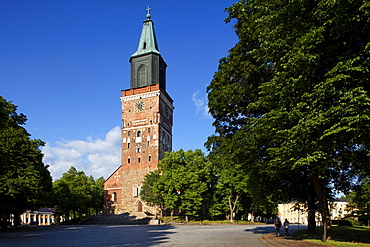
180 183
149 192
359 199
25 183
231 182
291 100
77 195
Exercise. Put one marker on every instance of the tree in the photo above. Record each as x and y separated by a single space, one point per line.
181 182
359 199
25 183
76 194
231 179
97 193
149 192
294 92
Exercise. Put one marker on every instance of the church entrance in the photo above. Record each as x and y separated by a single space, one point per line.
138 206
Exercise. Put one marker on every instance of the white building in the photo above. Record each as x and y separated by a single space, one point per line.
44 216
297 213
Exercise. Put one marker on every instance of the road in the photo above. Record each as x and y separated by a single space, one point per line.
141 235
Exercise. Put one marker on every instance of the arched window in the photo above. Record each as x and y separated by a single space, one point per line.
136 191
138 136
141 76
128 160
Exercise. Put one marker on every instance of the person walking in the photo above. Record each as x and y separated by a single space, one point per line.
277 227
286 227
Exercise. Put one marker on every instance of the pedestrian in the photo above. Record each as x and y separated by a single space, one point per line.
277 227
286 227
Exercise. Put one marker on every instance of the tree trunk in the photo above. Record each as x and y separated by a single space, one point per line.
311 205
171 215
232 205
323 205
252 217
231 218
17 219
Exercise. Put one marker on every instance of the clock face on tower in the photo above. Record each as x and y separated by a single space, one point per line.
139 106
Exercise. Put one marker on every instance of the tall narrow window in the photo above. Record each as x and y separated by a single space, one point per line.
150 158
128 133
114 196
128 145
138 159
128 160
148 130
161 79
138 136
144 46
136 191
141 76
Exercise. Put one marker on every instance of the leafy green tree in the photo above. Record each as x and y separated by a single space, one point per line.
97 195
181 182
77 194
25 183
359 199
149 192
231 178
294 93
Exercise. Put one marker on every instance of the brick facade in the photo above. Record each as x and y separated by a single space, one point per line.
147 117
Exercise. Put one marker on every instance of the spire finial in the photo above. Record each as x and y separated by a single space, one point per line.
148 16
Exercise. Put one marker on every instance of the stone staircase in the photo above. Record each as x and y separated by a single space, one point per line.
136 218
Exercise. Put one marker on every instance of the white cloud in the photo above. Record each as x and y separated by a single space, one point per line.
95 157
201 105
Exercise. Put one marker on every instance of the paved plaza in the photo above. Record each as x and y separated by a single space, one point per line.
140 235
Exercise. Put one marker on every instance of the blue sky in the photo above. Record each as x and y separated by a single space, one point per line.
65 62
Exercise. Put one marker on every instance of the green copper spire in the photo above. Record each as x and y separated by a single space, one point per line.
147 65
148 40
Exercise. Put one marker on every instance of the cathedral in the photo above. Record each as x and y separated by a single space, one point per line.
147 117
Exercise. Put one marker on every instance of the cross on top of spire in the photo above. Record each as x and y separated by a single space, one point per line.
148 16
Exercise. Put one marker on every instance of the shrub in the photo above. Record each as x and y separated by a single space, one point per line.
348 222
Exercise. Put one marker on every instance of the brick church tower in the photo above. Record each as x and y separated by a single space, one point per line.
146 125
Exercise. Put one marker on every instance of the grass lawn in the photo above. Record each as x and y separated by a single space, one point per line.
343 236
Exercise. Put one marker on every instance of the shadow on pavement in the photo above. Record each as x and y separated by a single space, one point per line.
262 230
89 235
